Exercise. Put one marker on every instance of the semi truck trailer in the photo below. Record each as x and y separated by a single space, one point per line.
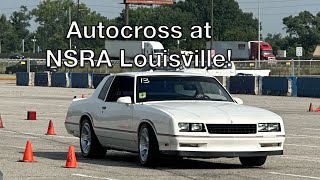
242 50
133 48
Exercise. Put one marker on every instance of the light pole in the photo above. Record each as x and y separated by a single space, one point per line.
23 45
70 43
178 43
34 43
259 37
211 43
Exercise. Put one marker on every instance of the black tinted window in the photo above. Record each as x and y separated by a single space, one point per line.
121 86
166 88
105 88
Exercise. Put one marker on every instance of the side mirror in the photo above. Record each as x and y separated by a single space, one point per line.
238 100
124 100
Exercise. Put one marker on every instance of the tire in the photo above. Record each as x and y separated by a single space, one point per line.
89 143
253 161
148 146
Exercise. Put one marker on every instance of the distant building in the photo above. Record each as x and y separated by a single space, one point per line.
317 52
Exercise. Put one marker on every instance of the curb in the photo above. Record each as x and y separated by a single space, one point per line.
7 79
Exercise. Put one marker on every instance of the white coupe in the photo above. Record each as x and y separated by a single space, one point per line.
175 114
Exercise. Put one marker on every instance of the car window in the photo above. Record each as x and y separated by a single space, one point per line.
121 86
163 88
105 88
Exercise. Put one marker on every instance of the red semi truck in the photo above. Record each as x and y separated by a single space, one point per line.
242 50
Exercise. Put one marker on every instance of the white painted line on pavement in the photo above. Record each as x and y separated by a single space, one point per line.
294 175
298 145
93 177
42 114
301 136
32 103
312 129
301 158
17 136
2 130
64 137
12 146
34 134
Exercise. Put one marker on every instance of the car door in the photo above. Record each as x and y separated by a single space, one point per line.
117 117
98 108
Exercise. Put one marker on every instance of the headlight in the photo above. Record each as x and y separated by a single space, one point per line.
196 127
184 127
269 127
191 127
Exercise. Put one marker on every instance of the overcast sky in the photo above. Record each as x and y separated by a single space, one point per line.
272 11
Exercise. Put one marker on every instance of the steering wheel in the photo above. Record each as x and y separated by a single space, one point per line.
202 96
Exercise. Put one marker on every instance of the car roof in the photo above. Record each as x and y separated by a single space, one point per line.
159 73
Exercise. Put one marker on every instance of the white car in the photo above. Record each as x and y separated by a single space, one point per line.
173 113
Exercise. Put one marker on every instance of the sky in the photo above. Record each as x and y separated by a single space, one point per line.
271 12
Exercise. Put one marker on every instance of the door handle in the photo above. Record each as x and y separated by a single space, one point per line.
104 107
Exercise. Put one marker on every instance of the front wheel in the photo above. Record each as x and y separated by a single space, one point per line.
148 146
89 143
253 161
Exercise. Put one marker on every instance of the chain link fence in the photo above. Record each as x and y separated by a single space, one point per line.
277 67
4 63
284 67
11 66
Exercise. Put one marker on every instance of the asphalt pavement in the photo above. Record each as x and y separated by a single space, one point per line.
301 159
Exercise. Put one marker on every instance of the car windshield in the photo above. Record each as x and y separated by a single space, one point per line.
266 52
166 88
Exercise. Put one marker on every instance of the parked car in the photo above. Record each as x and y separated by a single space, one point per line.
175 114
22 67
16 56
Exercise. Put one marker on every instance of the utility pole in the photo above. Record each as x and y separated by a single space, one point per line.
211 42
34 44
78 13
22 45
70 41
127 17
259 37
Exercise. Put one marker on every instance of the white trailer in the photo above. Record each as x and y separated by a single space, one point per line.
133 48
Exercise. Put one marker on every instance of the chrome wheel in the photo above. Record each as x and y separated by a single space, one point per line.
144 144
85 139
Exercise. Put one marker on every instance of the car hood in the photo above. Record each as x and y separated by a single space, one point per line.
215 112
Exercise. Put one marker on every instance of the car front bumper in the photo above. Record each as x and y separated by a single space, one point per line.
233 146
209 154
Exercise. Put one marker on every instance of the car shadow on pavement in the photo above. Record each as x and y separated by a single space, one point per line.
124 159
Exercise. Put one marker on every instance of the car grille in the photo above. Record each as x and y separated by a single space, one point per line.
232 128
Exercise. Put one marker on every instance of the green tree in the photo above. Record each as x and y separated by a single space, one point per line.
227 16
53 19
277 41
303 30
229 22
8 36
21 21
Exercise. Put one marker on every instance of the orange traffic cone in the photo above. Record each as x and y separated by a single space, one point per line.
1 123
28 154
311 108
71 158
51 129
317 110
